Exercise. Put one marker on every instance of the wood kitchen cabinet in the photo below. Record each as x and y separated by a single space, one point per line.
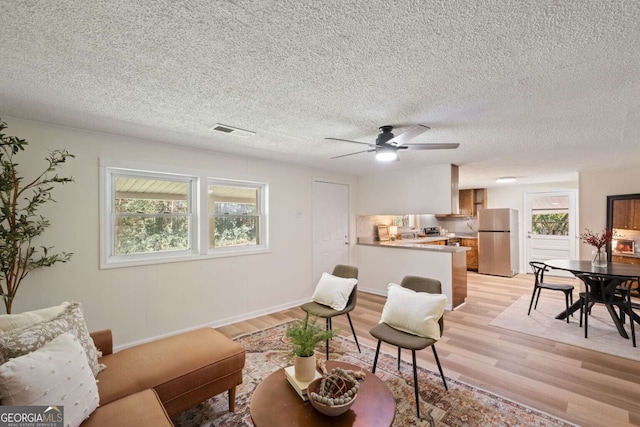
471 201
625 259
472 254
626 214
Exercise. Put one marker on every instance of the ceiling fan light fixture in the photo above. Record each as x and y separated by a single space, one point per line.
386 155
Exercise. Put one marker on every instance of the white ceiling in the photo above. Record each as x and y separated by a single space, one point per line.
534 89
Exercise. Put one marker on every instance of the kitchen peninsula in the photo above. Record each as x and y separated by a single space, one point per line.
381 263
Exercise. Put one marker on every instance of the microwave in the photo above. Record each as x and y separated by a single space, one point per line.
624 246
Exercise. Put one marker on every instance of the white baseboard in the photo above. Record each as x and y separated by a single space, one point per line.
219 323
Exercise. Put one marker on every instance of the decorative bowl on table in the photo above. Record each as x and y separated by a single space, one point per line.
333 408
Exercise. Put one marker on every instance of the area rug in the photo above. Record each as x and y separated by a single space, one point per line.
603 335
462 405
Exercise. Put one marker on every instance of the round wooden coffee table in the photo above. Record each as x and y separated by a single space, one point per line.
275 404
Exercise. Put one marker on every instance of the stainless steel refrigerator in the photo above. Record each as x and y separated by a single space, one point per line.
498 242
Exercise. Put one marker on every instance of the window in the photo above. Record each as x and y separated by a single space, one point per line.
236 212
152 217
550 223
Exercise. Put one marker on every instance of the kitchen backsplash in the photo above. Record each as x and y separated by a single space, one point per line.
366 224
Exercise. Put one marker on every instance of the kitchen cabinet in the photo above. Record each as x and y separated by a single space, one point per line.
626 214
625 259
437 242
471 201
472 253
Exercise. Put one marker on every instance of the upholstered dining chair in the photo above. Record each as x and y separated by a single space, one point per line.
539 284
399 335
326 312
607 290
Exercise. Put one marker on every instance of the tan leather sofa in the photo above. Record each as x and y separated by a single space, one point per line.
147 384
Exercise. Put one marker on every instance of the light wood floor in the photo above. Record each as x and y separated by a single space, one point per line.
582 386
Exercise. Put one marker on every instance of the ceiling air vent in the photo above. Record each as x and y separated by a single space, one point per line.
230 130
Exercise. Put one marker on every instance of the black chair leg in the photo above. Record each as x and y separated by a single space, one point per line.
415 382
587 310
571 299
631 320
328 322
399 349
566 304
533 296
535 307
375 359
435 355
354 333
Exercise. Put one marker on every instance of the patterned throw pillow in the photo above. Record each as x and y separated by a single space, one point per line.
18 342
55 374
9 322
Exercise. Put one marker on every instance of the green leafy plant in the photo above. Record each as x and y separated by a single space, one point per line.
305 335
20 223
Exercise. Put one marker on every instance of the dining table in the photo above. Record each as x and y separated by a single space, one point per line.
619 274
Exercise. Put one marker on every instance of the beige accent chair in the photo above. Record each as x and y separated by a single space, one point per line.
327 313
400 339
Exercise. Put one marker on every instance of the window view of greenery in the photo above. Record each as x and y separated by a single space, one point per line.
234 218
151 216
550 224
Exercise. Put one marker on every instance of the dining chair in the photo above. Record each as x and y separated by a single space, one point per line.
326 312
606 290
629 289
401 339
539 284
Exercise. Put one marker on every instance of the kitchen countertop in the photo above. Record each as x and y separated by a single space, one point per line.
419 244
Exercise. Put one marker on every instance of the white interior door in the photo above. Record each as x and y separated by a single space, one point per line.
330 227
550 227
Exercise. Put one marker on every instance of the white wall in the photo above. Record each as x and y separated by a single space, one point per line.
595 186
419 190
139 303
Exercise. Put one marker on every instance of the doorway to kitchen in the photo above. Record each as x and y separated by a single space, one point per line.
550 227
330 227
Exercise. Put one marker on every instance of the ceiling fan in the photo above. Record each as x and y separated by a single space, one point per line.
387 145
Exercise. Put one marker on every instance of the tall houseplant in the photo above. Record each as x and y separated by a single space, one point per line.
305 335
20 224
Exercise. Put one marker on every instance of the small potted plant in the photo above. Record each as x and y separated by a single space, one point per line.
305 335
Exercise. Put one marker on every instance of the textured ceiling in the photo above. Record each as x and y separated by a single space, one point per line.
536 89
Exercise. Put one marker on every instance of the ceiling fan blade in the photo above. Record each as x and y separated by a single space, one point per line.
441 146
351 154
408 135
354 142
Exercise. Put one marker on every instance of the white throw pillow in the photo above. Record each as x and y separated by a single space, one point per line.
333 291
56 374
416 313
28 318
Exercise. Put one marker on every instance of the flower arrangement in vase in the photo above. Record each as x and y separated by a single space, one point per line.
305 335
599 242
